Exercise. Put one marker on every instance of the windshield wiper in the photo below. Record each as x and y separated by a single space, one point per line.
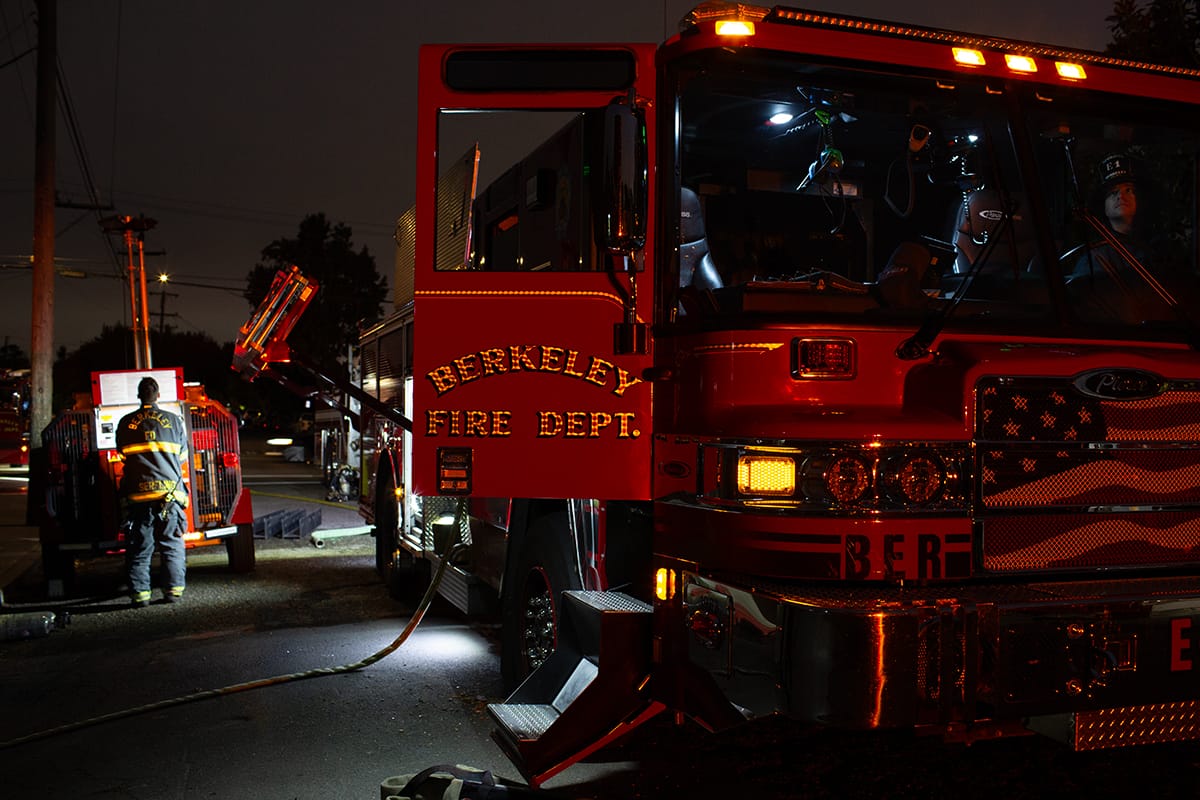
917 345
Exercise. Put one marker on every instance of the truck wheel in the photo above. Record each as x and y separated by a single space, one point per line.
405 578
240 549
541 571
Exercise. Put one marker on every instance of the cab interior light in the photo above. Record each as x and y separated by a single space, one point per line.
969 57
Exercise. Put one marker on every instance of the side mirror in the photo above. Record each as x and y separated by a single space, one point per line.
625 195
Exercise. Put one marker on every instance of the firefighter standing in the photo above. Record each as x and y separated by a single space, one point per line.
151 442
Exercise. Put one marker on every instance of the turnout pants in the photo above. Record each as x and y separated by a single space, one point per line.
147 528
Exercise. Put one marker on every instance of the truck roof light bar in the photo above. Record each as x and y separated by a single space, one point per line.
968 57
796 16
1070 71
734 27
728 19
1019 63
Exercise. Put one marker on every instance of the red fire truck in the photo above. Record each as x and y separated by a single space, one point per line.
794 366
14 417
81 516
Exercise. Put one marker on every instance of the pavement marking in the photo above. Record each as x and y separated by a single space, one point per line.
300 499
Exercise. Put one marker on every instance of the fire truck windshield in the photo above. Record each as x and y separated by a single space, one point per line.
828 191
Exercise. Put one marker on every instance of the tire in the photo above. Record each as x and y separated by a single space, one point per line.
541 570
404 577
240 549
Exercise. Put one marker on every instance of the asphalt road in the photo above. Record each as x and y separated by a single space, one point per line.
341 735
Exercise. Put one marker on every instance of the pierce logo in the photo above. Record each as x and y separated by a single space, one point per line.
992 214
1120 384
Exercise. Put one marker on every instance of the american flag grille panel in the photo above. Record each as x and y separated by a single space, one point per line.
1071 481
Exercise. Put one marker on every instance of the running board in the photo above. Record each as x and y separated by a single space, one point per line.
463 590
588 693
1107 728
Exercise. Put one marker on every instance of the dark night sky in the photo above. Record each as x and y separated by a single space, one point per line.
229 120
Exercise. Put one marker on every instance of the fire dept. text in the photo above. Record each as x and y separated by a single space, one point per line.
550 424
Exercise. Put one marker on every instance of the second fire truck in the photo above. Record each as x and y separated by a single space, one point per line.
794 368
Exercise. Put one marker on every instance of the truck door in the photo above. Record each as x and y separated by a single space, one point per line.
531 297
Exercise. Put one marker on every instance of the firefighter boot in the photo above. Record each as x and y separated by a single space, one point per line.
173 594
140 599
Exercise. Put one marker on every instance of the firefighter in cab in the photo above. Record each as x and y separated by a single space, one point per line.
152 444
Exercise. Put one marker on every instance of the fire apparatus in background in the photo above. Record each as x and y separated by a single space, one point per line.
82 515
792 368
14 417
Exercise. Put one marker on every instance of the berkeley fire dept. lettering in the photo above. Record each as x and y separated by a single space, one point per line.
549 424
468 423
531 358
585 424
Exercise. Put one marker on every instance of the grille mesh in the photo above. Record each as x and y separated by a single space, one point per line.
216 481
1066 480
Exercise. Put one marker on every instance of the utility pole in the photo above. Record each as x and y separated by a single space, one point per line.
162 310
42 307
138 303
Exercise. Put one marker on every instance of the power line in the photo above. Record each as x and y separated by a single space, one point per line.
25 26
17 57
75 134
112 175
224 211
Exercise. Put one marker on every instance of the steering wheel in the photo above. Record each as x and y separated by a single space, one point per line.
1102 296
1074 253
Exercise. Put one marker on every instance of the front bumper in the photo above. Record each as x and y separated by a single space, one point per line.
884 657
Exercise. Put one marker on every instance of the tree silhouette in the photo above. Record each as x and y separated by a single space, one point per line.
351 289
13 357
1160 32
202 359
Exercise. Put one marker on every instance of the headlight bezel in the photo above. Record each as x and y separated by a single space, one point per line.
841 477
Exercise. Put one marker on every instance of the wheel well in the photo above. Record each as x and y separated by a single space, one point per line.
629 528
525 514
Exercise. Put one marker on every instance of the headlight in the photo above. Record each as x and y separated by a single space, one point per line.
918 478
837 478
847 479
